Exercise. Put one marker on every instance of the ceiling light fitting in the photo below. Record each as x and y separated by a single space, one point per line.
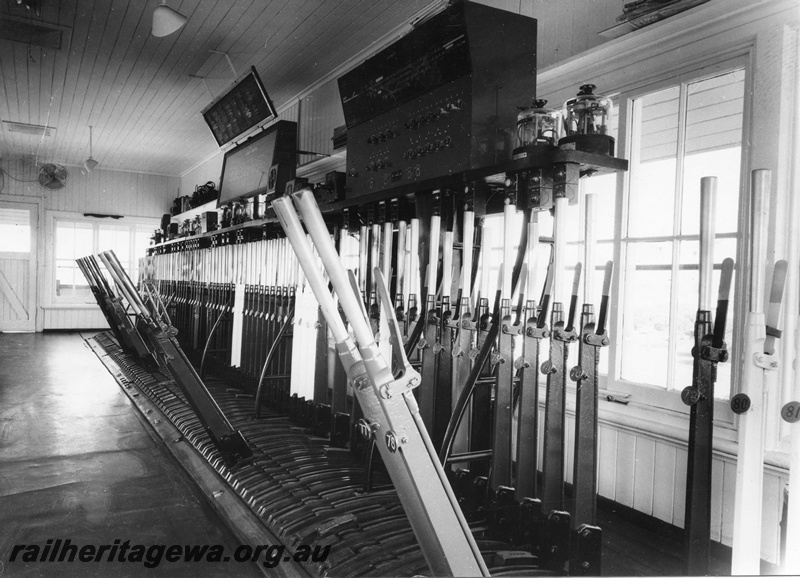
166 20
89 164
29 129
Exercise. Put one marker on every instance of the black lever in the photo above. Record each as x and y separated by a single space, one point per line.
601 316
573 302
722 302
545 300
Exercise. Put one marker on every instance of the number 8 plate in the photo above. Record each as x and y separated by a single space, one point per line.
791 412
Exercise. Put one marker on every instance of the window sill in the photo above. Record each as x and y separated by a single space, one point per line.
666 425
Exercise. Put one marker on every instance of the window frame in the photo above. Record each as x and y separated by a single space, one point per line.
61 299
656 397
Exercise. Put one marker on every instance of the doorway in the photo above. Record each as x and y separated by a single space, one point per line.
18 226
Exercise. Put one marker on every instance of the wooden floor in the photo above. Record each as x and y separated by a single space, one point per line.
639 545
77 461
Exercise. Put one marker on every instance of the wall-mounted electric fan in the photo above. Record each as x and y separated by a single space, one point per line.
52 176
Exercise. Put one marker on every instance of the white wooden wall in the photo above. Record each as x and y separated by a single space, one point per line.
102 192
320 112
209 170
647 472
74 317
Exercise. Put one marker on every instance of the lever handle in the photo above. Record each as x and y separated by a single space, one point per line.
573 302
722 302
708 197
774 306
545 301
521 285
431 276
398 352
601 317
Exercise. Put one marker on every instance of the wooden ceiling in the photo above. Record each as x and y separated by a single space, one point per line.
137 91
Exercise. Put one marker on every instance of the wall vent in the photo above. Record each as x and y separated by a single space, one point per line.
29 129
33 32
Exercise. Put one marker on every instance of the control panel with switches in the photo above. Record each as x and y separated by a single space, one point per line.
422 139
439 101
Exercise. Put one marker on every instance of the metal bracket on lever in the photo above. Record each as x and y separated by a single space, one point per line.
406 377
766 361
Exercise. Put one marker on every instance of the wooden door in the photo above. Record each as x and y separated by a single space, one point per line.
18 226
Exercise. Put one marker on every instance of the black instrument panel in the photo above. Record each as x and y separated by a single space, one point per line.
435 54
441 100
240 109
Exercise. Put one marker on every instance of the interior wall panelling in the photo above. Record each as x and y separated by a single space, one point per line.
647 472
74 318
729 486
717 497
774 484
663 488
679 487
208 170
101 191
625 478
607 456
644 466
320 112
290 112
649 475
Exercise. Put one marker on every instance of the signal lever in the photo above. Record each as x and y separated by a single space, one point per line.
230 442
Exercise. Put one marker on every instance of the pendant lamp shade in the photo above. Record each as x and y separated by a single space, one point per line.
89 164
166 20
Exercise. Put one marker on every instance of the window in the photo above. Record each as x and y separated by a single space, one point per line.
78 238
597 213
492 255
678 135
72 240
15 230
